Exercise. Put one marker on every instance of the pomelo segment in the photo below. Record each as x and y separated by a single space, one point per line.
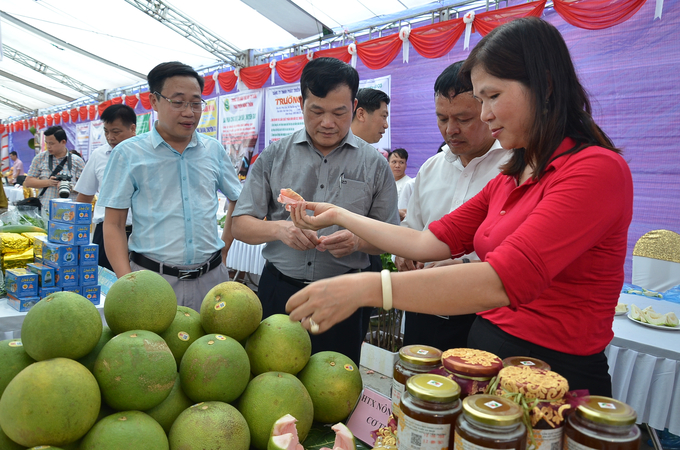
284 435
344 439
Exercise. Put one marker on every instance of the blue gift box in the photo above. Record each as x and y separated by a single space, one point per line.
45 274
89 255
67 211
22 304
68 234
92 293
66 277
57 255
74 289
88 275
45 291
21 283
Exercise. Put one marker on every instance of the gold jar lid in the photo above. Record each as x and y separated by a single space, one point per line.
433 388
526 361
607 411
492 410
532 383
471 362
420 354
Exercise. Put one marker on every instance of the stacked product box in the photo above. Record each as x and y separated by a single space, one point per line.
68 251
22 289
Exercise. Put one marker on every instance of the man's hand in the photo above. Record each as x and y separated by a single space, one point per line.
404 265
402 214
296 238
339 244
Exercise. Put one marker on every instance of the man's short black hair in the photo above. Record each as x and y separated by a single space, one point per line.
58 132
449 83
371 99
123 112
400 152
322 75
13 153
163 71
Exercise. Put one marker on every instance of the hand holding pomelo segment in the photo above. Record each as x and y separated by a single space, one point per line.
289 198
325 215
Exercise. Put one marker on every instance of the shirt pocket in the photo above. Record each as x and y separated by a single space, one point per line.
355 196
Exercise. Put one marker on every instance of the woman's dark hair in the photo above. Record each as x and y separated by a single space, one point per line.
533 52
322 75
163 71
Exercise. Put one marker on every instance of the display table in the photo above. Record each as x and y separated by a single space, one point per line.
14 194
11 319
244 257
645 366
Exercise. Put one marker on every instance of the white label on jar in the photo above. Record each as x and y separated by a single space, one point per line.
606 405
462 444
416 435
527 363
570 444
493 404
547 439
397 392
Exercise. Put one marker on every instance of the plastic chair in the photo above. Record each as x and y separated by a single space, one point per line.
656 260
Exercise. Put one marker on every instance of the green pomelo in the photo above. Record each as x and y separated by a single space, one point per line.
183 331
14 359
269 397
214 368
46 447
62 325
231 309
135 370
210 426
166 413
334 384
126 430
278 345
8 444
51 402
89 359
141 300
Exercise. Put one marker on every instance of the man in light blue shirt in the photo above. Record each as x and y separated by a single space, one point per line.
169 177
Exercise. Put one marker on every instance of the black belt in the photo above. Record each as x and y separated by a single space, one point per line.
294 281
183 274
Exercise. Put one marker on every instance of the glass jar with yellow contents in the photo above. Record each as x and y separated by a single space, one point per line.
429 409
602 423
413 360
472 369
490 422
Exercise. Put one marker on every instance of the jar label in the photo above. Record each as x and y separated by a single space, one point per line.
462 444
417 435
570 444
550 439
606 405
527 363
397 391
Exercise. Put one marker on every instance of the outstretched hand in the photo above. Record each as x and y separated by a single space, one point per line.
325 215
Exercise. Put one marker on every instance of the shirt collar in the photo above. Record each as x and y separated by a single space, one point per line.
157 139
301 136
450 157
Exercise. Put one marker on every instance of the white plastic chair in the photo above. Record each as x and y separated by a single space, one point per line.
656 260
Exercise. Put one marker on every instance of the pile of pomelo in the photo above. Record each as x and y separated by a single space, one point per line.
162 376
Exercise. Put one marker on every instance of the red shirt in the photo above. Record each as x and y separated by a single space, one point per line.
558 245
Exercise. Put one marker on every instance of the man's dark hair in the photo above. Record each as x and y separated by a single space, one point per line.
123 112
400 152
322 75
163 71
449 83
371 99
58 133
13 153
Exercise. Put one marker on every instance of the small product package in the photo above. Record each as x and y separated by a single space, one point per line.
45 274
22 304
74 289
67 211
66 277
17 260
21 283
89 255
13 242
92 293
57 255
69 234
45 291
88 275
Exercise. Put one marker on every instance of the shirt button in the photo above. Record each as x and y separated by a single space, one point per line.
309 263
325 161
191 240
184 178
322 186
502 213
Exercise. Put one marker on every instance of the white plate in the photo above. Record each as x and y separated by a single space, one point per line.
620 313
658 327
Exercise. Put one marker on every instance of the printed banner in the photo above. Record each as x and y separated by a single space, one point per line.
283 115
382 84
240 115
208 122
143 123
83 138
97 137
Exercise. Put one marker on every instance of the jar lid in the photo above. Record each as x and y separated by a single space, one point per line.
607 411
532 383
433 388
471 362
492 410
526 361
420 354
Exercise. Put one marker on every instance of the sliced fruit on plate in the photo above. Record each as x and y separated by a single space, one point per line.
344 439
621 308
671 319
655 318
636 313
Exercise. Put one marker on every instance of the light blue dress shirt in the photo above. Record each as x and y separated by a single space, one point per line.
173 196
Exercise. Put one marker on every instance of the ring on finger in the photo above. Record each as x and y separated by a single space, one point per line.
313 326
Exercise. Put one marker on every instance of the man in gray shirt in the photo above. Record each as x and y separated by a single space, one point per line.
324 162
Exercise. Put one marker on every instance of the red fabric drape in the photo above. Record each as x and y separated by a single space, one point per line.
103 105
50 120
340 53
209 85
93 112
116 101
41 122
131 101
436 40
144 98
74 115
596 14
65 116
290 69
227 81
32 122
255 77
378 53
57 118
2 128
83 112
487 21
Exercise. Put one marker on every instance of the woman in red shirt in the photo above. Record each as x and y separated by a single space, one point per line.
551 229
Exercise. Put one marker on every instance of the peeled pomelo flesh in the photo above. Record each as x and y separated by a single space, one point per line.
289 198
344 439
655 318
671 319
284 435
636 313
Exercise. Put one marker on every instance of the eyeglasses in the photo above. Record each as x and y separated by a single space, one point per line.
181 106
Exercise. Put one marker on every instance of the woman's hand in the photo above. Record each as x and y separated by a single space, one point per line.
325 215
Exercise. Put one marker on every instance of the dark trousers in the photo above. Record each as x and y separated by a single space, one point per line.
98 238
582 372
437 332
345 337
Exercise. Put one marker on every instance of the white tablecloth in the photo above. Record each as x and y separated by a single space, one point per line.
645 366
14 194
11 319
245 257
